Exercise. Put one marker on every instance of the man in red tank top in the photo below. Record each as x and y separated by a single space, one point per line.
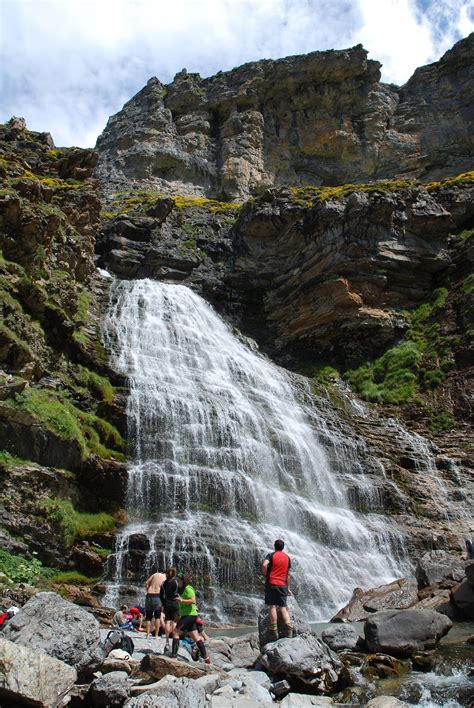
276 572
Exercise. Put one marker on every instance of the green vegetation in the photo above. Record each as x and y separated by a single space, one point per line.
418 362
23 570
466 234
9 460
467 285
70 577
91 433
320 372
212 205
75 524
98 385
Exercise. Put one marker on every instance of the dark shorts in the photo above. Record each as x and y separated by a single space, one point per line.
153 606
276 595
171 611
187 624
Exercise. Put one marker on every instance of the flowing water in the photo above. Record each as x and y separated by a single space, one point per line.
228 453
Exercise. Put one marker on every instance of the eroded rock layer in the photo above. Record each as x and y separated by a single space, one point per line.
320 118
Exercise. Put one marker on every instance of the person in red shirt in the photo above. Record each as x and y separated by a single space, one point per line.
276 573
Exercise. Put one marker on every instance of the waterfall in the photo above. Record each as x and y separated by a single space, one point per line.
228 454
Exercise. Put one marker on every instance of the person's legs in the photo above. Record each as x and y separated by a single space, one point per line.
285 615
200 645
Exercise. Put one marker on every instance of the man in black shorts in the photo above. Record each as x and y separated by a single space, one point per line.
153 606
276 573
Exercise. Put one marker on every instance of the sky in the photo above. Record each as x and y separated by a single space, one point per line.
67 65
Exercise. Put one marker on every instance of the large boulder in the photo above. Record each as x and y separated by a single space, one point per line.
28 677
462 597
307 663
341 636
113 689
56 627
400 633
298 620
437 566
470 573
158 666
386 702
173 693
398 595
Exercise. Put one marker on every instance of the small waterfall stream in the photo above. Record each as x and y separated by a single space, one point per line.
228 455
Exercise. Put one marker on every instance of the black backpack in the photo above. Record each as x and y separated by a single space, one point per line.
117 639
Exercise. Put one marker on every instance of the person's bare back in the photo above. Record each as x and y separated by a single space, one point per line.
154 583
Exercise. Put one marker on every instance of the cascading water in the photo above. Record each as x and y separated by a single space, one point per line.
226 457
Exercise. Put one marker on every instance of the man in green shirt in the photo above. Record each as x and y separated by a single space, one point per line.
188 613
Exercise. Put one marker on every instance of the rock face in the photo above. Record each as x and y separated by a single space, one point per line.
437 566
54 626
31 677
400 633
400 594
307 663
341 637
322 118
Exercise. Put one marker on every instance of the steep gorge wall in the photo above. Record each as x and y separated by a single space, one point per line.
322 118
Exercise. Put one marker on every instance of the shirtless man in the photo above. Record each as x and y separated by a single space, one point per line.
153 606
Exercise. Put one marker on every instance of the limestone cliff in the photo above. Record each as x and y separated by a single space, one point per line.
323 119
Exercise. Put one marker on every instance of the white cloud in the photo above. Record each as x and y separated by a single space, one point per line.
69 64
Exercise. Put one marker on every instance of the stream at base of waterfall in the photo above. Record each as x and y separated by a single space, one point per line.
227 453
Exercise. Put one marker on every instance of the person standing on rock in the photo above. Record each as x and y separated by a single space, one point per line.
153 606
188 614
276 573
169 594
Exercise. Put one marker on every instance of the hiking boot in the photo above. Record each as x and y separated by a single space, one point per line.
289 631
273 635
207 660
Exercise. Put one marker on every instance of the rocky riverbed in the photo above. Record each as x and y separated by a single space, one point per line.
52 653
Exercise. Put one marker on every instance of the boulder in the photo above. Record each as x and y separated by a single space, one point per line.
112 689
158 666
301 700
299 621
172 693
386 702
30 677
400 633
436 566
307 663
56 627
398 595
341 636
241 652
462 597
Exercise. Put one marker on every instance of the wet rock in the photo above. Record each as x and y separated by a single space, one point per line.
112 689
386 702
307 663
341 637
463 598
399 594
423 661
400 633
382 666
50 624
31 677
88 561
470 573
301 700
298 619
436 566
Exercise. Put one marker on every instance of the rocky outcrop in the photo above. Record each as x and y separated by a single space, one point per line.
400 595
29 677
322 118
298 619
54 626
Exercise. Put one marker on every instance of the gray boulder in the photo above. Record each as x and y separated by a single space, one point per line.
241 652
299 621
436 566
56 627
386 702
32 678
301 700
397 595
470 573
112 689
462 597
307 663
171 692
400 633
341 636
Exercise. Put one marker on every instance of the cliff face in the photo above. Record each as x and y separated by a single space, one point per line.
58 441
323 118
